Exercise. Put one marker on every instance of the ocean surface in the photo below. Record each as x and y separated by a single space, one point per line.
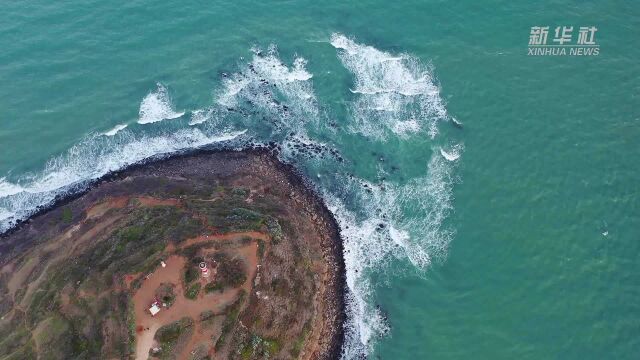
489 201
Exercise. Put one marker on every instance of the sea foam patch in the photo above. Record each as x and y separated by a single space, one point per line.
393 93
115 130
386 221
279 93
157 106
7 188
452 153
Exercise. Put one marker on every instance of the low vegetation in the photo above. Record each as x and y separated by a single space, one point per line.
172 336
193 291
166 294
231 270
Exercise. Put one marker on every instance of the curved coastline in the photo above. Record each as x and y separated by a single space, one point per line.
313 202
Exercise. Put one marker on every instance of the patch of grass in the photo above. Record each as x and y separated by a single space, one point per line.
280 286
132 233
190 274
233 311
299 343
259 347
44 300
131 324
229 214
15 340
172 331
26 351
231 271
213 286
246 352
67 215
193 291
275 230
170 335
166 294
206 315
207 319
271 346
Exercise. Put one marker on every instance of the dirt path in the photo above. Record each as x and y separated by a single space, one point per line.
227 236
120 202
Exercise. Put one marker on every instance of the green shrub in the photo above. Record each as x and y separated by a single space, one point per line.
67 215
231 271
166 294
190 274
240 192
275 230
193 291
212 286
233 311
170 333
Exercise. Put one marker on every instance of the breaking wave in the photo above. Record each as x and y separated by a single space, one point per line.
7 188
391 90
453 153
269 101
281 95
115 130
157 106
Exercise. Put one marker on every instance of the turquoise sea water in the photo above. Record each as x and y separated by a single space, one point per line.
519 240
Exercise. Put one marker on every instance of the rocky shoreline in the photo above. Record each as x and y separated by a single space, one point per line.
221 163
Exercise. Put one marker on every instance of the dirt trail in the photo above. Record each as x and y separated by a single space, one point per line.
120 202
226 236
100 209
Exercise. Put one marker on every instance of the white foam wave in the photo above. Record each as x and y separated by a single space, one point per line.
115 130
157 106
405 127
200 116
389 220
92 159
7 188
452 154
391 90
5 215
282 93
364 249
456 121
